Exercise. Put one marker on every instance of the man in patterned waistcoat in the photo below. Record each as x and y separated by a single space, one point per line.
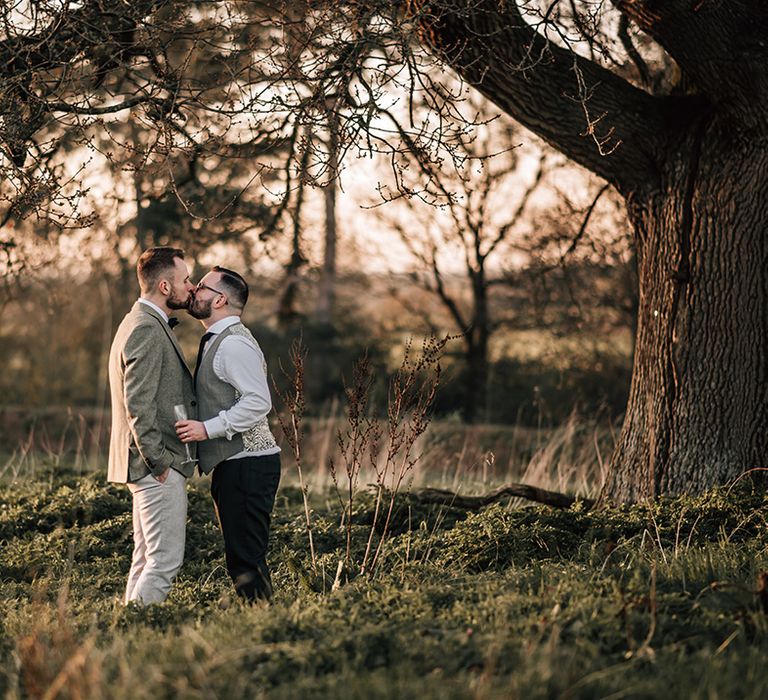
233 437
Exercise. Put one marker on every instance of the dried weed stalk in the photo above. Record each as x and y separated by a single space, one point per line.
411 395
294 403
358 442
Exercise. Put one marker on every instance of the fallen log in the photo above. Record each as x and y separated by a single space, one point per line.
530 493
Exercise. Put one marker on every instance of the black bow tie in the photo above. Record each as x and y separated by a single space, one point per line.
173 322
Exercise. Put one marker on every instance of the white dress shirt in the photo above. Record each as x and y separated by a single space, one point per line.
240 363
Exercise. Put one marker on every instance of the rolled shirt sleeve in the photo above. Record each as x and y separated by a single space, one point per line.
240 363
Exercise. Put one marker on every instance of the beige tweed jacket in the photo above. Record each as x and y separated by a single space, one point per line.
148 375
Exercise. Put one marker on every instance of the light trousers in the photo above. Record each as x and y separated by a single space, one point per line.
159 529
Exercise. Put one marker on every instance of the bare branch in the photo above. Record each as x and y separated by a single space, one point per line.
531 493
588 113
584 223
626 41
719 46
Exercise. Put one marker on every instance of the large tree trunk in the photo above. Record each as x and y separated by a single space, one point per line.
693 170
696 416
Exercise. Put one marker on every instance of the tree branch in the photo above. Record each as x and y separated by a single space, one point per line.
588 113
583 228
720 46
505 228
531 493
73 33
626 41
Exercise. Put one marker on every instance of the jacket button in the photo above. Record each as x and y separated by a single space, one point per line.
194 403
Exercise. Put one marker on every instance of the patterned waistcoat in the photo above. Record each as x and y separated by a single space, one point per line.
214 396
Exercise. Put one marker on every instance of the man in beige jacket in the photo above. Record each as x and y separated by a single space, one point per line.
148 376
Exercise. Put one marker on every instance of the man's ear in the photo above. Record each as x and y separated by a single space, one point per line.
165 287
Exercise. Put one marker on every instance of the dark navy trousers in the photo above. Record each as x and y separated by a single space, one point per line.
244 491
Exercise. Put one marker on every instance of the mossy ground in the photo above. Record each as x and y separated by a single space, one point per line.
644 601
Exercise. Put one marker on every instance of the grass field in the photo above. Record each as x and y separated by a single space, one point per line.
509 602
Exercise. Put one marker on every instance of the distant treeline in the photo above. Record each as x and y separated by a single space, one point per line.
55 337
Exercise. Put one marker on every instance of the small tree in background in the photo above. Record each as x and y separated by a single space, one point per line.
463 228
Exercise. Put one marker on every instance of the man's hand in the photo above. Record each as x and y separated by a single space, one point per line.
162 477
191 430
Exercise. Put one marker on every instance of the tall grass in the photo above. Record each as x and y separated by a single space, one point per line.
471 458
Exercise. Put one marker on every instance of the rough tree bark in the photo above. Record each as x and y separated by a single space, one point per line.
693 172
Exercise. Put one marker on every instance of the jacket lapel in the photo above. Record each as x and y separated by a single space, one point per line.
143 308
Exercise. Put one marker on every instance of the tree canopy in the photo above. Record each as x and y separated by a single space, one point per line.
664 100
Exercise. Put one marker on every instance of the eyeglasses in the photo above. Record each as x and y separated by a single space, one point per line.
200 286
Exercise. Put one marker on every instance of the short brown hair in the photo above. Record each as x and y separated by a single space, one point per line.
152 263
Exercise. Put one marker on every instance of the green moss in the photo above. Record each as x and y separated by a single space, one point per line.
655 600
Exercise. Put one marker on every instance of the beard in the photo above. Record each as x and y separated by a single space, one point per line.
176 303
200 309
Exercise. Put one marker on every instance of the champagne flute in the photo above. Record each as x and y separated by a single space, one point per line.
180 411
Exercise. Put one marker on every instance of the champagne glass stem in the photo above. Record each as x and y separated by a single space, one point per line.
180 411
